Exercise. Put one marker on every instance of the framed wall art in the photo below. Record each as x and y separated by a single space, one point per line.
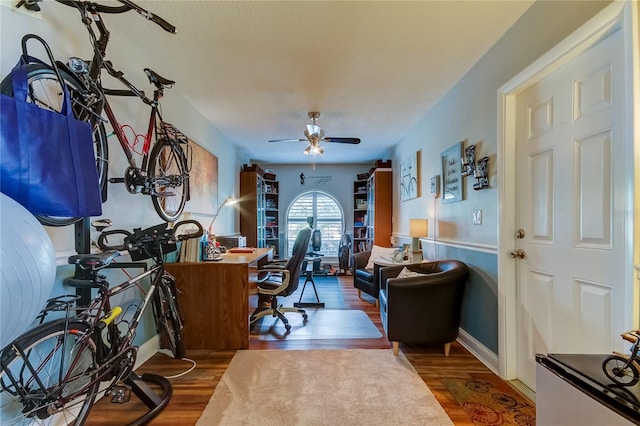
203 181
451 174
410 177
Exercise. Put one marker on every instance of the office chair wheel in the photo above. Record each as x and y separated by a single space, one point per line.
305 316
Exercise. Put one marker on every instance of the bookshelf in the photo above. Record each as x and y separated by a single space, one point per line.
272 220
259 210
360 205
379 209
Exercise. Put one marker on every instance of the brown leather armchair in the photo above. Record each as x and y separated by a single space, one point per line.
426 308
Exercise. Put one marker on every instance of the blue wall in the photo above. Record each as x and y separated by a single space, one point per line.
480 302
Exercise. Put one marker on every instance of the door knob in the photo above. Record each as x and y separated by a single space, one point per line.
518 254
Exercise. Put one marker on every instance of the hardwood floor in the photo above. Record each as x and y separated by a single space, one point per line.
192 391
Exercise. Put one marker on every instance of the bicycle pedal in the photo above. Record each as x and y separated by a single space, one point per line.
121 394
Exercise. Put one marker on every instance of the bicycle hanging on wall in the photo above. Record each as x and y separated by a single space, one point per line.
163 172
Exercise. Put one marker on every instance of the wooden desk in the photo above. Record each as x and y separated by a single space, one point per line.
214 298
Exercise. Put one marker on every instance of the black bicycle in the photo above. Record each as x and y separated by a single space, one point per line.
165 161
52 373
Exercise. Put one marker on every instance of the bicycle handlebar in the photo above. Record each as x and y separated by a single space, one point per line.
150 237
127 5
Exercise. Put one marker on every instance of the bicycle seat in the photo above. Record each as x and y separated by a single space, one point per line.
157 79
93 260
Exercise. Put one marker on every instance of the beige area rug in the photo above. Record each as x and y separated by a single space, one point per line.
321 324
322 387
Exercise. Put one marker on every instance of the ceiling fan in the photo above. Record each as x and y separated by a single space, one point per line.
315 135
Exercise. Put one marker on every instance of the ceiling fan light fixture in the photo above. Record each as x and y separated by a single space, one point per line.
314 130
313 150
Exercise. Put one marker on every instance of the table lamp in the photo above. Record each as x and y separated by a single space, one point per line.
417 229
210 251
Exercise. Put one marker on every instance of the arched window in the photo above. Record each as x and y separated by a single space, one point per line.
327 217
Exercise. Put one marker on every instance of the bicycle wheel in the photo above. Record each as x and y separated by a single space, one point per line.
615 368
169 317
169 179
38 385
45 91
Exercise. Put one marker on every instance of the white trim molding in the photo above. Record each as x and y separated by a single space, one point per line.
484 248
480 351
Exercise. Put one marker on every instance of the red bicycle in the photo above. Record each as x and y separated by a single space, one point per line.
163 172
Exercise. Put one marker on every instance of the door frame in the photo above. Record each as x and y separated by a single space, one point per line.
622 15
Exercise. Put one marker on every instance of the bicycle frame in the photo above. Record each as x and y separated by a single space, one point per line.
93 73
106 361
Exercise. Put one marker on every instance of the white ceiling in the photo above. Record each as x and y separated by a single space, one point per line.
372 68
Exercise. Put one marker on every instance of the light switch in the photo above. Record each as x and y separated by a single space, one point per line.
477 217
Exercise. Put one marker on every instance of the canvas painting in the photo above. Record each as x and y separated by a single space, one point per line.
203 181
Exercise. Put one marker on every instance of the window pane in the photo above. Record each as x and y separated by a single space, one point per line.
302 207
327 208
327 217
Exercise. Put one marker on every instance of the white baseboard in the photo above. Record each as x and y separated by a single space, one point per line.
147 350
477 349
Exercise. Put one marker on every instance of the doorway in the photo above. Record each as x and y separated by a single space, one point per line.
566 168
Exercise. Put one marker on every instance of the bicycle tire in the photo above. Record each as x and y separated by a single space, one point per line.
168 165
49 405
614 368
168 317
44 90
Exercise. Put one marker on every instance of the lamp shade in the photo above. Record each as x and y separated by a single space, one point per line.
418 228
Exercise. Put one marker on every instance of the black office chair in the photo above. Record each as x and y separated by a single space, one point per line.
282 282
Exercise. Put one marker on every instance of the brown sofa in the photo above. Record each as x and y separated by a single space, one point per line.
426 308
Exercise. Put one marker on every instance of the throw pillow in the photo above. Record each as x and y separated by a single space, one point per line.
377 252
406 273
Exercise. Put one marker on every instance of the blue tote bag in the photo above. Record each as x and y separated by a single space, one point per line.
47 162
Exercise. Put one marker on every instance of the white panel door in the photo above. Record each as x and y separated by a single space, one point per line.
570 186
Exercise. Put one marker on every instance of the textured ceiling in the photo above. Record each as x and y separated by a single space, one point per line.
372 69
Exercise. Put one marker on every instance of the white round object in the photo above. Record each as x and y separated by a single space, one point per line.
27 269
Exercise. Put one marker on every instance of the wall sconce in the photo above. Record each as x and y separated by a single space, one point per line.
418 228
479 169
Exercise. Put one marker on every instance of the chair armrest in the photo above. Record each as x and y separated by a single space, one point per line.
282 281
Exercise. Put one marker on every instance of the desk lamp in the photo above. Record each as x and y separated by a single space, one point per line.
210 251
417 229
229 201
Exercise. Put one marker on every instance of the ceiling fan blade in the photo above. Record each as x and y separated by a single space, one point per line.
342 140
288 140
